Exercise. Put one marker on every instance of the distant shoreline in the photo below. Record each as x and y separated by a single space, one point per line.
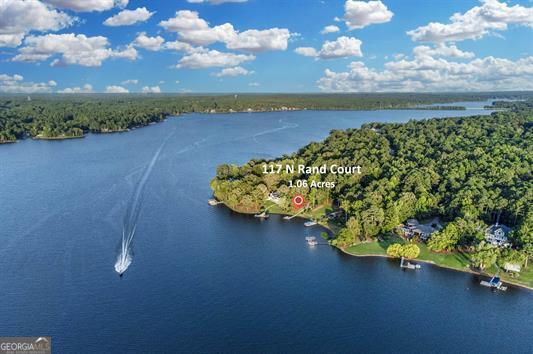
231 111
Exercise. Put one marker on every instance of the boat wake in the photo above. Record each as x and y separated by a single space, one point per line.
125 256
287 125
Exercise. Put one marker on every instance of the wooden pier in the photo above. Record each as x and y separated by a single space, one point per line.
408 265
494 283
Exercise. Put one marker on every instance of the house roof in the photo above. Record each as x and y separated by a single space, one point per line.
425 229
495 227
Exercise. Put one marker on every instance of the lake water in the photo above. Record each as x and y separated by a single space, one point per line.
204 279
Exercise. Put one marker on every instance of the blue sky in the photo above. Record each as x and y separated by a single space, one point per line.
265 46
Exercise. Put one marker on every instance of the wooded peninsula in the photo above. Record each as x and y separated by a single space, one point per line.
456 192
62 116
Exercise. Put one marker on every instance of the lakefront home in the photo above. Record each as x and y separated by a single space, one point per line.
498 235
413 227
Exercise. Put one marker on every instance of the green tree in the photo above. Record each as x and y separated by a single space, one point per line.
394 250
410 251
485 256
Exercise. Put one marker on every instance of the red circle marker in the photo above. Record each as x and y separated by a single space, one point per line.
298 201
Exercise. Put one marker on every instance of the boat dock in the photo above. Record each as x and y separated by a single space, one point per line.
289 217
311 241
213 202
263 215
408 265
494 283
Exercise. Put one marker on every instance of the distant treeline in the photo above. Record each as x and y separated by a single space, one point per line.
64 116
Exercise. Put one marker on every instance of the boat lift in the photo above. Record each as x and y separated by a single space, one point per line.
408 265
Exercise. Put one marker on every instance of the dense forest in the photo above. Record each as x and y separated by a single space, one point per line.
64 116
469 172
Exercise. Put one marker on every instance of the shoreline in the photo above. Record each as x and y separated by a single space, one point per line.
271 110
329 229
436 265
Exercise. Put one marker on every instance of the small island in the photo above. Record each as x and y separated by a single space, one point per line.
454 192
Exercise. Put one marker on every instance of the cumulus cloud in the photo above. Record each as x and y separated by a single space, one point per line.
306 51
87 88
477 22
149 43
330 29
425 73
88 5
16 84
359 14
212 58
130 82
116 89
129 17
181 46
152 89
18 18
72 49
441 50
339 48
235 71
196 31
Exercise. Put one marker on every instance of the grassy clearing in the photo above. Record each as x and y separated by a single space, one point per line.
454 260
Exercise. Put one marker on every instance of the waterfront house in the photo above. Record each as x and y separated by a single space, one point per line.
274 197
413 227
498 235
423 231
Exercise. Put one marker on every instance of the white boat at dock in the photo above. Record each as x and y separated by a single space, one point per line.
408 265
213 202
310 223
311 241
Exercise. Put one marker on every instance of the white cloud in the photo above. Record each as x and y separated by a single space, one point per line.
130 82
254 84
441 50
196 31
15 84
87 88
88 5
339 48
214 2
149 43
330 29
212 58
359 14
18 18
129 17
116 89
426 73
153 89
177 81
72 49
306 51
477 22
235 71
260 40
182 47
129 53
